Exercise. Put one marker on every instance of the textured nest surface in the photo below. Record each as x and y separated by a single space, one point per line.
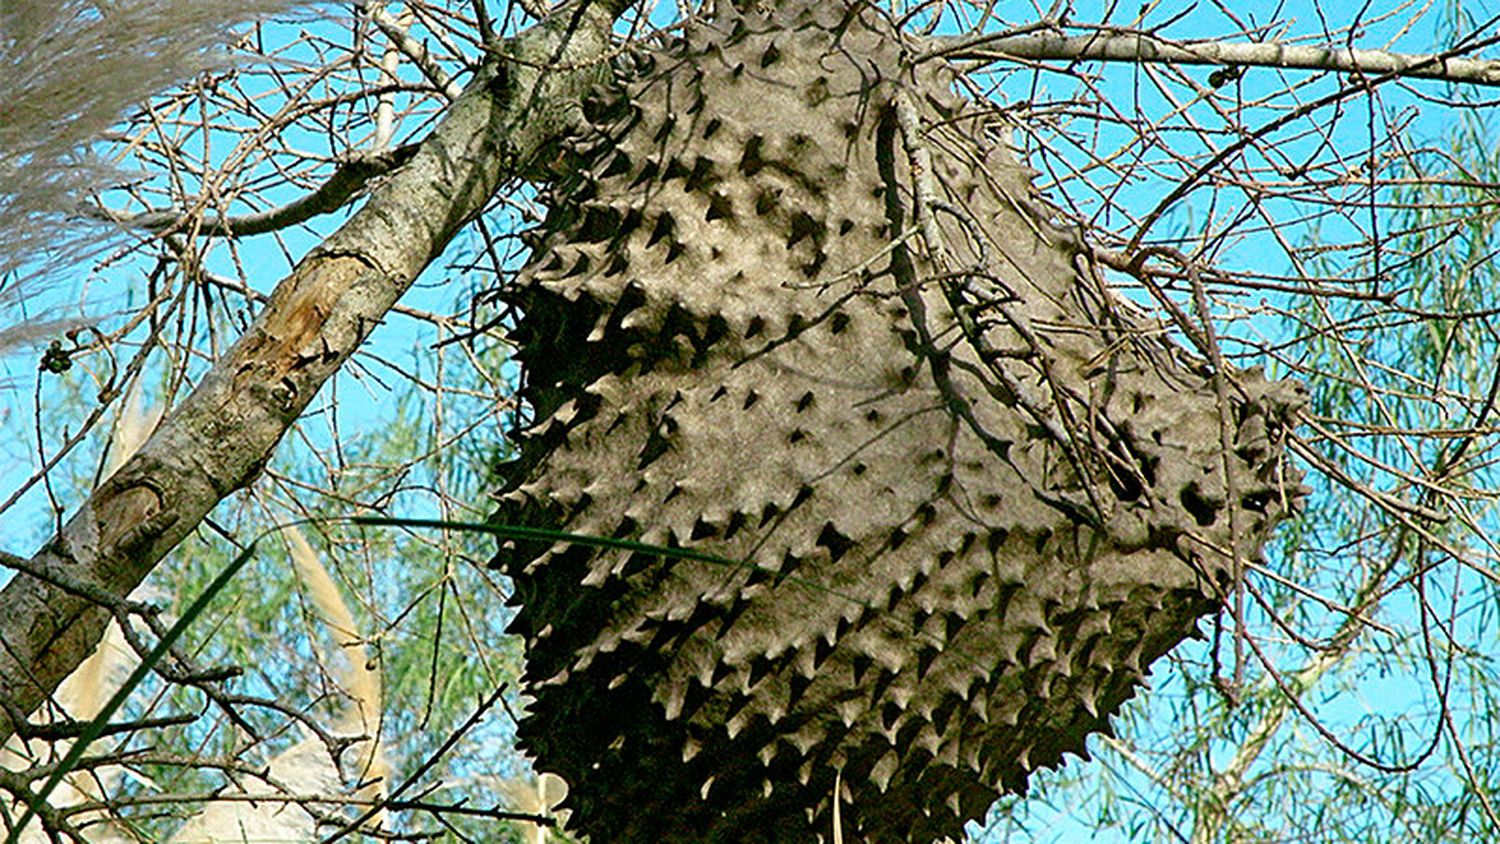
970 495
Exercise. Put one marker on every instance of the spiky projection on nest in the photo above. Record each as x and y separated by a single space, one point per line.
972 494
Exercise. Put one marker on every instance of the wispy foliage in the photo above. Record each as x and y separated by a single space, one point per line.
69 69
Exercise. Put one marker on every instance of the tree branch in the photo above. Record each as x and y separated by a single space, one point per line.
414 50
350 177
221 436
1228 783
1137 47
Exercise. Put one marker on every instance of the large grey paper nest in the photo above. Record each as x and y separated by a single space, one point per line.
941 583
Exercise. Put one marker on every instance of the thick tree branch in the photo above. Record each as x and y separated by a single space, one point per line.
219 438
1138 47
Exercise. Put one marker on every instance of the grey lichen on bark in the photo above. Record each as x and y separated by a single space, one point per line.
801 309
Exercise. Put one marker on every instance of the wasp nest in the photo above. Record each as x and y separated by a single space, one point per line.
968 495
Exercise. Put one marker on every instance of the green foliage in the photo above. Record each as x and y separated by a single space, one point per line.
1403 392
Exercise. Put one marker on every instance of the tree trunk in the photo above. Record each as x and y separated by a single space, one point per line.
217 440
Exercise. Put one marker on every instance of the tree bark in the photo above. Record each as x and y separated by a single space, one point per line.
219 438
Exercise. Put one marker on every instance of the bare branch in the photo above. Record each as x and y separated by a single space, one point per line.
1138 47
346 181
414 50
